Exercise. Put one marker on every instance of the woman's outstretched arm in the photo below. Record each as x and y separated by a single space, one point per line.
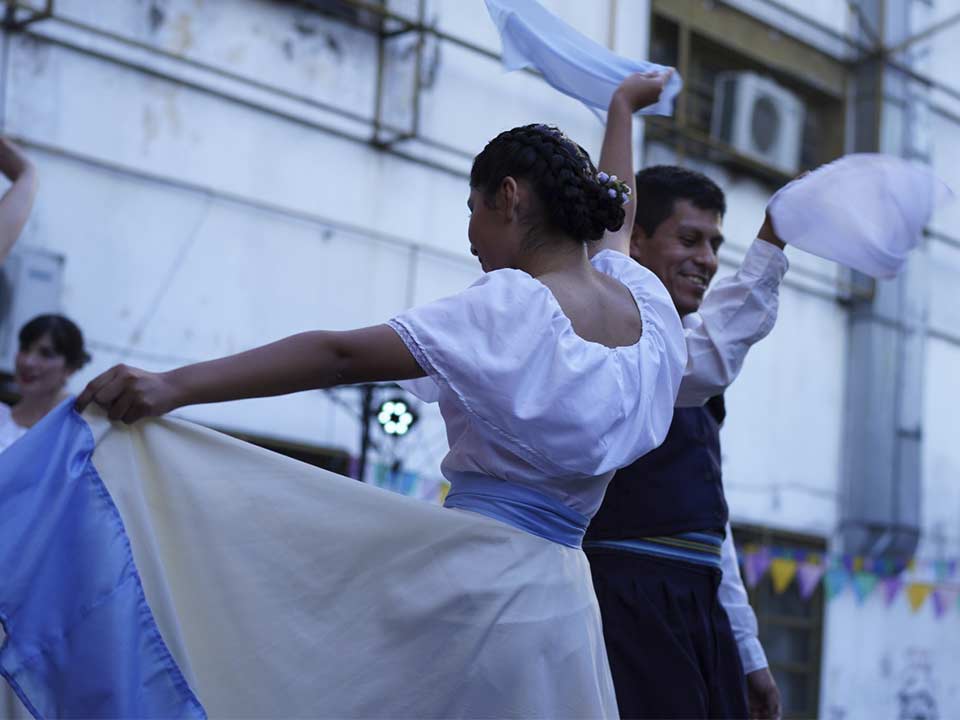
616 155
17 201
308 361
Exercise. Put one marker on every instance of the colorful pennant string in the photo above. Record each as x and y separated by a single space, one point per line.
920 579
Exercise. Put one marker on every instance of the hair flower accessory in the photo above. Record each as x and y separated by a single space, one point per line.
615 188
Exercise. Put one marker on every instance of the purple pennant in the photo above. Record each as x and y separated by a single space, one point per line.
891 586
943 598
755 565
808 575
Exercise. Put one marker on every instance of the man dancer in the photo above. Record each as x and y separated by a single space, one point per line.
665 577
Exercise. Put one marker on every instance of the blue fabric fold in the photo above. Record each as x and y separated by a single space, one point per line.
81 638
570 62
518 506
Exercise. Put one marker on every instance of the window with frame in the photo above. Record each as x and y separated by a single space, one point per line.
704 40
791 627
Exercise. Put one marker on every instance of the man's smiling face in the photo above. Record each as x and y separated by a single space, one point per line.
682 252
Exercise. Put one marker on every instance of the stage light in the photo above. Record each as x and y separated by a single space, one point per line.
396 417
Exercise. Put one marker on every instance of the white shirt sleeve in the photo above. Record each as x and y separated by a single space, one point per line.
743 621
739 311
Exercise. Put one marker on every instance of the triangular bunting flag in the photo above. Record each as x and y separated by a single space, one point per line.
941 570
755 566
834 581
918 593
808 575
891 587
782 571
943 598
863 585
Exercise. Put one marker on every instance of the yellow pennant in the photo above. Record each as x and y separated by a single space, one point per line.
444 489
918 593
782 571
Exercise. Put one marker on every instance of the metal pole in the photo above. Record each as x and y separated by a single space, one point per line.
366 413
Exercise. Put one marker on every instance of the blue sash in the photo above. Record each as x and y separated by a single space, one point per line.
521 507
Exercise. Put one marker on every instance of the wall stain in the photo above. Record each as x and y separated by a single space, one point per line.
151 128
156 16
171 110
916 695
184 33
333 45
236 54
305 28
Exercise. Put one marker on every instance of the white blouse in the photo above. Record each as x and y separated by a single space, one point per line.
736 313
526 400
10 432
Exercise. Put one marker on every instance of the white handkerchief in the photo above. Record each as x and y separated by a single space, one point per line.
569 61
865 211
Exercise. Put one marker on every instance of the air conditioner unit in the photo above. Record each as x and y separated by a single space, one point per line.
759 119
31 282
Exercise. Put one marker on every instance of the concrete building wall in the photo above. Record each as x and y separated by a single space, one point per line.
211 190
202 213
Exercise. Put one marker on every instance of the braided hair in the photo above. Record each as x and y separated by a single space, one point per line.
573 201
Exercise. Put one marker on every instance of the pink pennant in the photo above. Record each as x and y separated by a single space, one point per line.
943 598
808 575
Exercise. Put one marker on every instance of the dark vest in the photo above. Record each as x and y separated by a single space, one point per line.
675 488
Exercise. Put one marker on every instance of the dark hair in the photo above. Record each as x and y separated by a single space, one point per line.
65 335
660 185
572 200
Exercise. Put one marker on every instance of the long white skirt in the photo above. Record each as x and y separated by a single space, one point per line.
286 591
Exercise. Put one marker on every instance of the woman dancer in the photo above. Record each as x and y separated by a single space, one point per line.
552 371
51 350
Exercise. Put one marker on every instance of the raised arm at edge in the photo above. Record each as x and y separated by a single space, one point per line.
15 207
616 158
616 154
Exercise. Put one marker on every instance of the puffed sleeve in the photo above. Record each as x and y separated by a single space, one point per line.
507 355
735 315
653 368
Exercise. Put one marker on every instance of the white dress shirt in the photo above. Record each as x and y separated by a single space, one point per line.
738 312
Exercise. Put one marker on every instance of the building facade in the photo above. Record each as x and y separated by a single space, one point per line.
216 174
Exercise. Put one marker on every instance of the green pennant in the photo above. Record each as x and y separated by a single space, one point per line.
834 581
863 585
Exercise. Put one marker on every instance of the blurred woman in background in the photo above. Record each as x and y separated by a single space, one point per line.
51 350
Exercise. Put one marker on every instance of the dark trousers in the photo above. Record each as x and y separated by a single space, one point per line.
671 650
